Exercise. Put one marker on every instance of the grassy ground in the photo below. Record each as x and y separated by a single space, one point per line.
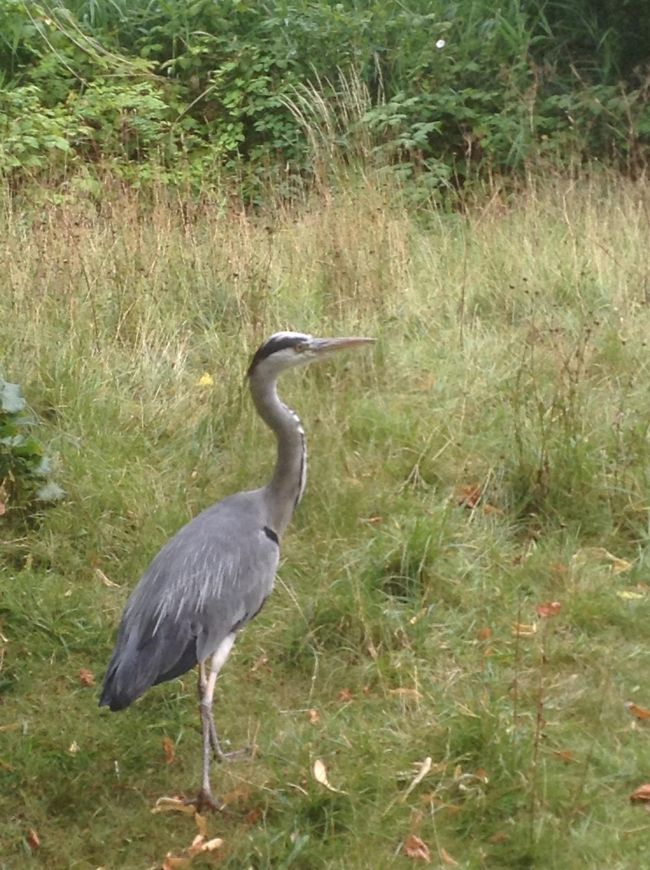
490 455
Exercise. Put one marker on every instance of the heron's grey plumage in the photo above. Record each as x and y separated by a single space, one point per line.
215 574
207 581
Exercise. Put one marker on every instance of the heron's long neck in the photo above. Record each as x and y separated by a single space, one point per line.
288 482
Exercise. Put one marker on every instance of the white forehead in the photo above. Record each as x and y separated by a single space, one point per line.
284 336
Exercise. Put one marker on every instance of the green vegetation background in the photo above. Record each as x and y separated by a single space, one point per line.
439 90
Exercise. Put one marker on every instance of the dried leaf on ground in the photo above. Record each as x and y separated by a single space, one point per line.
629 595
641 794
416 849
469 494
86 677
320 775
422 771
168 749
201 824
548 609
261 662
173 805
344 695
637 711
564 755
73 748
206 380
484 633
33 840
253 816
521 629
446 858
105 581
314 716
200 844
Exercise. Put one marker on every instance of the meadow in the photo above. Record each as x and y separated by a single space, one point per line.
459 628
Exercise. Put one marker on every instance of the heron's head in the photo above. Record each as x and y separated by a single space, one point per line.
285 350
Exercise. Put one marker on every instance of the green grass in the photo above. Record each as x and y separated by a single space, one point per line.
512 361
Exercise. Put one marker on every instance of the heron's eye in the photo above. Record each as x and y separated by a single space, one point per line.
300 347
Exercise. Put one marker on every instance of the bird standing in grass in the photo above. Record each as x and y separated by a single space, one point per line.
215 574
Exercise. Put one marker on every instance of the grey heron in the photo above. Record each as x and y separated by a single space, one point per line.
213 576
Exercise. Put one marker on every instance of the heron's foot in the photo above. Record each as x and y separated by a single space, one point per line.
220 753
233 754
205 801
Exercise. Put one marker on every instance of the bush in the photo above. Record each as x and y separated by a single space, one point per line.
25 482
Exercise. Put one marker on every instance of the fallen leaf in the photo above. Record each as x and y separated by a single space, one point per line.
168 749
416 849
33 840
253 816
406 693
320 775
641 794
314 716
104 579
548 609
173 805
521 629
484 634
344 695
628 595
492 510
201 824
446 858
212 845
200 844
261 662
469 495
85 677
206 380
73 748
564 755
499 837
196 845
637 711
422 771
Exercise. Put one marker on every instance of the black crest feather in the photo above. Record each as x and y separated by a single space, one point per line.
273 345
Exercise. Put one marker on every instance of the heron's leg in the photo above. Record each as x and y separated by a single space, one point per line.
214 737
206 694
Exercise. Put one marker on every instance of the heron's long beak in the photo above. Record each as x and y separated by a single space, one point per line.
329 345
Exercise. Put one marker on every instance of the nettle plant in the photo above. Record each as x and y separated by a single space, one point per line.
25 470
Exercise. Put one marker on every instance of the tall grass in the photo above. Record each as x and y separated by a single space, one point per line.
492 455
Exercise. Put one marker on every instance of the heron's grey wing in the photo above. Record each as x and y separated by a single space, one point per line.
210 579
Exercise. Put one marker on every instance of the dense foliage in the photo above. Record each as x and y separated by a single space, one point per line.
437 89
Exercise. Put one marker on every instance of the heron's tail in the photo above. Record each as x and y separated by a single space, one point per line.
131 671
